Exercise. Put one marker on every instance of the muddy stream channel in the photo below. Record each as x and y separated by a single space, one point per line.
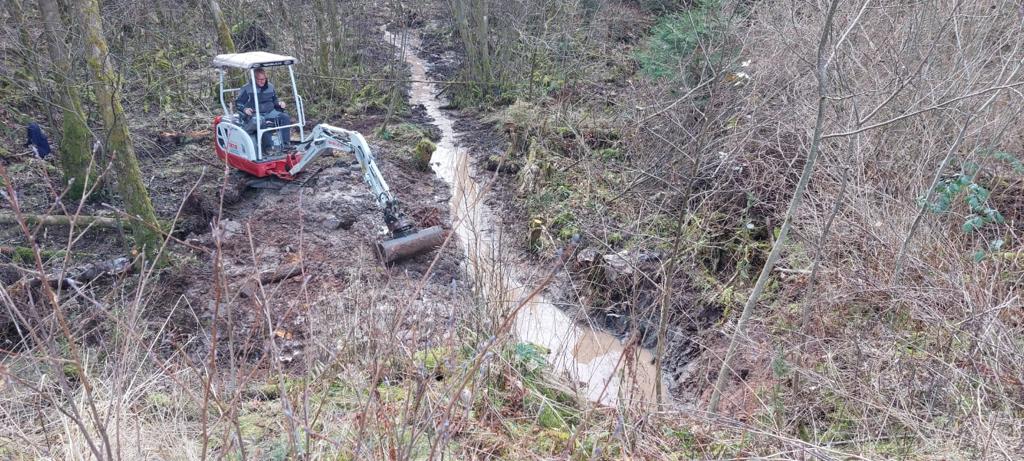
590 357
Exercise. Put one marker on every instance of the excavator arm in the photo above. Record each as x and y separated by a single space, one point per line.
406 240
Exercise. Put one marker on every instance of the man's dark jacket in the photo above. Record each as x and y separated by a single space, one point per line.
266 95
35 137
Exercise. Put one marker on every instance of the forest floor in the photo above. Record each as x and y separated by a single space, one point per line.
392 330
324 223
692 341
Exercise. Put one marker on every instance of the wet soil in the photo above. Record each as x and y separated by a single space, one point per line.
325 223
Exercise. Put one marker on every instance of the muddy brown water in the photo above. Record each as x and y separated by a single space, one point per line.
591 357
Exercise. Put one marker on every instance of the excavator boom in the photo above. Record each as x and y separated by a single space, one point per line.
406 240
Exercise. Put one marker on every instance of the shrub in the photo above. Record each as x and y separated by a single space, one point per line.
674 39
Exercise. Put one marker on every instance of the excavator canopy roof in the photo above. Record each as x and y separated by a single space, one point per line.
252 60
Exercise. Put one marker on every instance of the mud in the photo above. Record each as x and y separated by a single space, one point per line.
326 222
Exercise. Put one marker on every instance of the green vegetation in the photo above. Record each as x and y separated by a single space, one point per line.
976 197
422 152
673 41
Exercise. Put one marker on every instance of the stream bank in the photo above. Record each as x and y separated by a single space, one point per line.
607 370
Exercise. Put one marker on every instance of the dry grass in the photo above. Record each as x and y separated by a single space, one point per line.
909 353
912 356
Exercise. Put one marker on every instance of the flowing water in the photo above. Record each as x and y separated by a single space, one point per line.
593 358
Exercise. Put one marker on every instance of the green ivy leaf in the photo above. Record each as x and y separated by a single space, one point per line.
973 223
973 202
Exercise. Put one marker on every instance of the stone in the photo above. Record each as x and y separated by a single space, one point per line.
228 230
332 223
343 222
618 269
586 257
230 226
501 165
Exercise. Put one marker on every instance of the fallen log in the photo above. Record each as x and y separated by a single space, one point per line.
178 138
287 271
282 272
82 275
62 220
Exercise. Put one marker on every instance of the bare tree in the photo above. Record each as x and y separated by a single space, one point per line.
76 157
821 72
472 22
106 83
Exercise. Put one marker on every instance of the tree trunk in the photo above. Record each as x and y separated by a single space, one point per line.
227 44
482 38
794 204
75 152
118 140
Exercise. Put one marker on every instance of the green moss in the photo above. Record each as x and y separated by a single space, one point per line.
159 401
23 255
433 359
410 132
422 152
610 153
552 440
253 426
71 371
392 394
550 418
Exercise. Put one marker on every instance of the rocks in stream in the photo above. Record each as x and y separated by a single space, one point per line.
622 271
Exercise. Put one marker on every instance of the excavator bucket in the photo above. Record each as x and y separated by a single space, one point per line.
411 245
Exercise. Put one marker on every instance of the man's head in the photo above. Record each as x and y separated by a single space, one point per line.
261 77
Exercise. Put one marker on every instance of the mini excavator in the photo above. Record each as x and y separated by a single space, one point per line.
256 149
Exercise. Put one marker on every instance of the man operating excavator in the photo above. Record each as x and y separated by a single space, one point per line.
271 109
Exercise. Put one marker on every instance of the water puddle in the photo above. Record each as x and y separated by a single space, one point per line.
591 357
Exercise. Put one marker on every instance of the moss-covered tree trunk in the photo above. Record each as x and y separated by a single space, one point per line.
227 44
75 149
118 141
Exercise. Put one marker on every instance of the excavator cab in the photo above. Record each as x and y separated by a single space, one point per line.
250 146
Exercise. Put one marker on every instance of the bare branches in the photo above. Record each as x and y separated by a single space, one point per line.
822 75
